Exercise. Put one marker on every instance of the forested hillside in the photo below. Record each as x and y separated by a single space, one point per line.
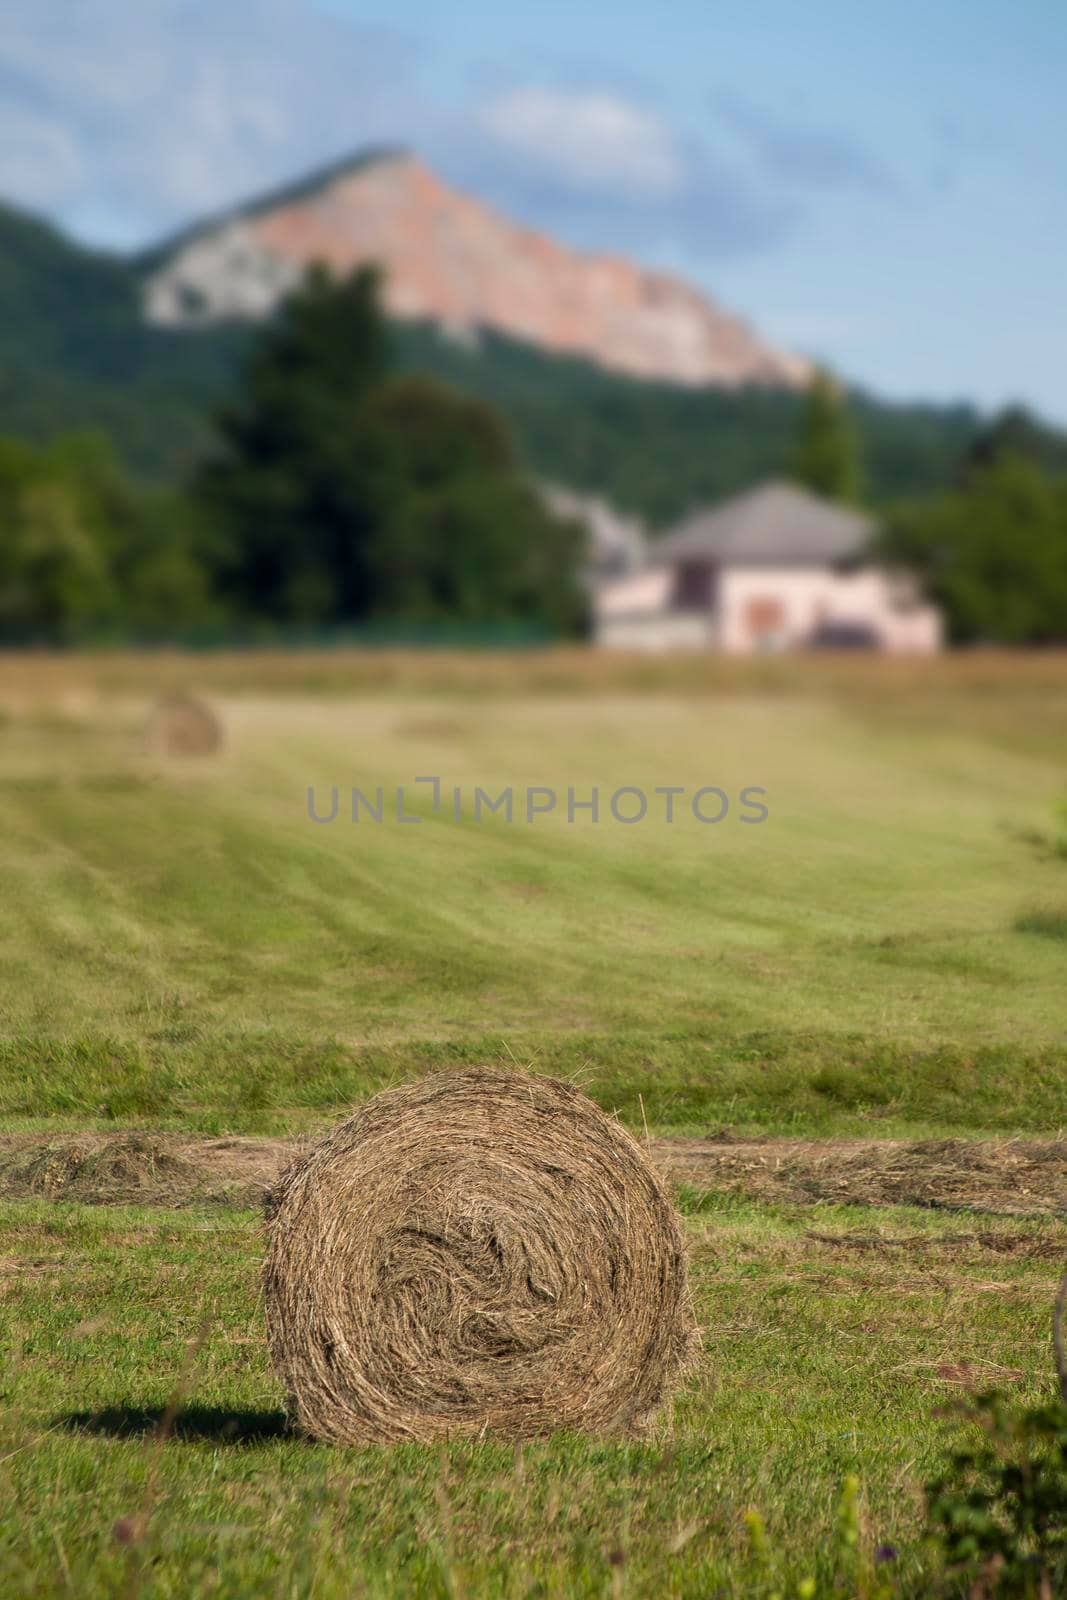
656 448
75 353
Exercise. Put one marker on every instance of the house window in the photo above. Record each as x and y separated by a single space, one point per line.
694 586
765 620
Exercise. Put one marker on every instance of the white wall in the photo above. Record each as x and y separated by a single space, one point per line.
645 593
808 597
633 613
670 630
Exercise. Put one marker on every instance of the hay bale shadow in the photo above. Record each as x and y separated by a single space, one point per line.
216 1424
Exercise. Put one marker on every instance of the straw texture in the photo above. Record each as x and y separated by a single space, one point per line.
481 1252
181 725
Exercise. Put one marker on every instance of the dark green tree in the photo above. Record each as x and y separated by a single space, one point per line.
1016 432
462 536
826 457
341 494
993 552
292 490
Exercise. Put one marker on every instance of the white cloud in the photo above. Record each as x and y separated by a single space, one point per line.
157 111
126 119
801 156
588 139
605 172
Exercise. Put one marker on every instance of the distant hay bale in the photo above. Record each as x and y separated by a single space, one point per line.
181 725
479 1252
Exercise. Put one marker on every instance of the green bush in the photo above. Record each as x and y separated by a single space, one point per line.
1000 1509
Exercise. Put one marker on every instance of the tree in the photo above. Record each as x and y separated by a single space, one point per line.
85 553
826 458
1016 432
993 552
149 540
53 577
342 494
462 536
291 488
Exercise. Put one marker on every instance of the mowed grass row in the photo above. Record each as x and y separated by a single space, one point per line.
181 944
183 947
832 1347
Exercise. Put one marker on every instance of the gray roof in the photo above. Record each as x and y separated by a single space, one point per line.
777 524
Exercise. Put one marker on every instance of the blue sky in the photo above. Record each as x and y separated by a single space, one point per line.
883 186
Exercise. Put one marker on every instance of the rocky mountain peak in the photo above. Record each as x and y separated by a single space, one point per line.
452 260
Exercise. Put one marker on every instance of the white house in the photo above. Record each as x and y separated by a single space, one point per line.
776 568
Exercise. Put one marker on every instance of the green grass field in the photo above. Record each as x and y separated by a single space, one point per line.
821 1361
884 957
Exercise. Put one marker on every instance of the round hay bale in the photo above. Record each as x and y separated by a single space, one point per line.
181 725
479 1252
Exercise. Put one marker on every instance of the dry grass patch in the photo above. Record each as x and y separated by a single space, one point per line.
1021 1177
994 1177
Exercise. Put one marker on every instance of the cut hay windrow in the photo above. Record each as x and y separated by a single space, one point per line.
476 1253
